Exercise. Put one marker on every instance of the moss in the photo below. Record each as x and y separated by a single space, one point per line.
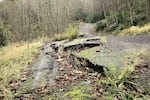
79 92
106 57
102 57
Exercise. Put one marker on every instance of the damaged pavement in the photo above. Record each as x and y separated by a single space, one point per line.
83 60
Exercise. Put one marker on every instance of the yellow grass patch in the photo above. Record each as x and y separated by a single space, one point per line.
136 30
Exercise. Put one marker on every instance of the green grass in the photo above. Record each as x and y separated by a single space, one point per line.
79 92
71 33
13 58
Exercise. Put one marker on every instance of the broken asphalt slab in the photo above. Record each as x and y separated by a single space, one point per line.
42 73
119 52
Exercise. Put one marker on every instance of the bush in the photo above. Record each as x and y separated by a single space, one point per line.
94 18
140 19
122 19
112 27
121 27
4 36
3 40
101 25
71 33
80 15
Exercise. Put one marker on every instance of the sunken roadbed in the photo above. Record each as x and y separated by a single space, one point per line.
63 65
82 61
118 51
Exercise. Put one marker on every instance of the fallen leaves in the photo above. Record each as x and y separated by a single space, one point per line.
24 74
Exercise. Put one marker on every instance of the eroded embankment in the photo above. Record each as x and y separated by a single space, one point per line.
118 52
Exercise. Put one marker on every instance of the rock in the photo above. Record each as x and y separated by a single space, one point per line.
59 60
61 69
77 71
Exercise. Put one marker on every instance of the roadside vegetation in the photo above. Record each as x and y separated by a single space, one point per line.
136 30
71 32
121 84
132 30
79 92
4 34
113 17
14 58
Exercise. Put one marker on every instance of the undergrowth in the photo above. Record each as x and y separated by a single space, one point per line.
70 33
13 58
132 30
117 83
136 30
79 92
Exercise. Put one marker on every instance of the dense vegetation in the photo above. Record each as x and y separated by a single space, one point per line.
4 34
113 15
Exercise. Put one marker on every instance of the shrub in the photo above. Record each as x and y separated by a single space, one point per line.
112 27
122 19
80 15
140 19
3 40
94 18
121 27
115 83
71 33
101 25
3 35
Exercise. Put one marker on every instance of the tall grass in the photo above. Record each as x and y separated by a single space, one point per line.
71 32
136 30
13 58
